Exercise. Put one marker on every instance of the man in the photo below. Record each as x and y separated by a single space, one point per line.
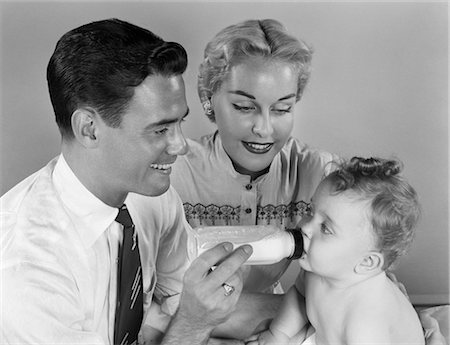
89 239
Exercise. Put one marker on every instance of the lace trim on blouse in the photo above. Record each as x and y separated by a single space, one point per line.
229 215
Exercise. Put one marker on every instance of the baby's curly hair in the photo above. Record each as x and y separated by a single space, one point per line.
395 208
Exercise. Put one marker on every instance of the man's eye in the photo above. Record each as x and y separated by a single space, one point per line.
162 131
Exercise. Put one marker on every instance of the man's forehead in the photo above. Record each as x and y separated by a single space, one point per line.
159 99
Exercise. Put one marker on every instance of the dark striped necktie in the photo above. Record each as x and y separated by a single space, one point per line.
129 310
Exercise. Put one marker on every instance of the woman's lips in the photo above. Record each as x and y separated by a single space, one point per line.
256 147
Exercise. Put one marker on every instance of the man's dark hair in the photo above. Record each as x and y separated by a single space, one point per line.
99 64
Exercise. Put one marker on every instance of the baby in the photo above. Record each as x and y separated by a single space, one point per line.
362 220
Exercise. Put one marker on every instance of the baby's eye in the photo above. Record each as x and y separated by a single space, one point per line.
325 229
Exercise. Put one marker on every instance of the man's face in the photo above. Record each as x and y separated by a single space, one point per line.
137 156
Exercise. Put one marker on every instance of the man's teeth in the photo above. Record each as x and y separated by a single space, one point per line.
259 146
160 166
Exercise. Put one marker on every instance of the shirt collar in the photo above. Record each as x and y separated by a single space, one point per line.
90 215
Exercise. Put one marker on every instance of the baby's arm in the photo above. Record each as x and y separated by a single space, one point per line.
290 320
292 316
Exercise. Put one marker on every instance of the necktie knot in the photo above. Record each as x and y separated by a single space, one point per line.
124 217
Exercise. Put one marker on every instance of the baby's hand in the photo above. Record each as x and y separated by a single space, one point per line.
268 338
263 338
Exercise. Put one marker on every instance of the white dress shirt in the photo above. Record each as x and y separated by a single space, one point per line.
59 250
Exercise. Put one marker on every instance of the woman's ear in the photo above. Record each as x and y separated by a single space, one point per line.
85 127
370 263
212 101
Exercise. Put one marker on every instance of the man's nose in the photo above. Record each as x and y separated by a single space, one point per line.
177 143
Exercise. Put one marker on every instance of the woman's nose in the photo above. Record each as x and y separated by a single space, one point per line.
263 124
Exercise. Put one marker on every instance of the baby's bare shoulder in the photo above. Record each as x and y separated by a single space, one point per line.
383 315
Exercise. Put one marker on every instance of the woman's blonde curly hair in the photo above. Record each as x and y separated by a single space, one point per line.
265 38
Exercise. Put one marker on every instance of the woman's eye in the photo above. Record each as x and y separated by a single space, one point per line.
243 109
282 111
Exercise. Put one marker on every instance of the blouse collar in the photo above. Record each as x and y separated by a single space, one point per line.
225 161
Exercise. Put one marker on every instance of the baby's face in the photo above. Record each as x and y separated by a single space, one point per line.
338 235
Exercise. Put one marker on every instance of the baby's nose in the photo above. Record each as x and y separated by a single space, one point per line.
306 231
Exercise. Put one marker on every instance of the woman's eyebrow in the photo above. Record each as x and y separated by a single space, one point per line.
245 94
242 93
287 97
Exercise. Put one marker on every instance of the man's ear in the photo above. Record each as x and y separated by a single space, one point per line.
370 263
85 127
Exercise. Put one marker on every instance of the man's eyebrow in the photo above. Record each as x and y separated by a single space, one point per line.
167 121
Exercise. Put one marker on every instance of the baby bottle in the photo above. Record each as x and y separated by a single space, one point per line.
270 243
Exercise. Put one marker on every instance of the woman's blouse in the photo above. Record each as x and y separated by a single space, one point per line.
213 193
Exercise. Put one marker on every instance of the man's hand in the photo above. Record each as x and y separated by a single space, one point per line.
204 297
205 300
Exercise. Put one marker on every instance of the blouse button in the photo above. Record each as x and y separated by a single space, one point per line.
249 186
248 210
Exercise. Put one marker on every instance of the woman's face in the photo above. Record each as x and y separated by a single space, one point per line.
254 110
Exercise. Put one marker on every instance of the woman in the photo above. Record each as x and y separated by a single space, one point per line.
251 171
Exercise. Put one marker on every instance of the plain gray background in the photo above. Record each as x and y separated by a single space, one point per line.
379 87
